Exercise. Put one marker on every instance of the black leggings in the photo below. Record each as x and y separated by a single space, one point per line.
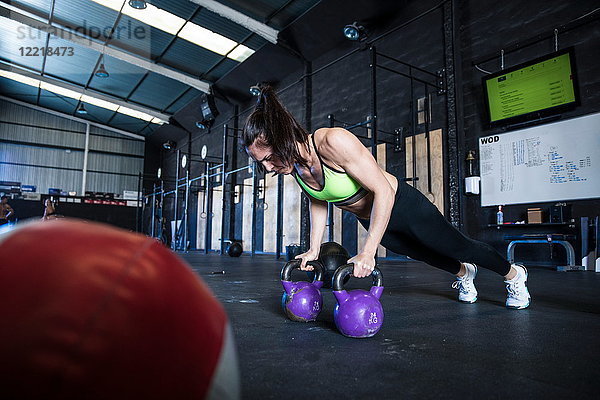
418 230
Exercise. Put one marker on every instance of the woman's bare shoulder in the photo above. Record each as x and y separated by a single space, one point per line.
332 138
336 145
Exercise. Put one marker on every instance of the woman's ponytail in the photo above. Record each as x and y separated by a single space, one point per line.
272 125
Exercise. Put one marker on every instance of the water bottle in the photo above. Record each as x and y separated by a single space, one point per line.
499 216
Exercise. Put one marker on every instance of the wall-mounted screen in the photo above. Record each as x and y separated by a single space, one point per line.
536 89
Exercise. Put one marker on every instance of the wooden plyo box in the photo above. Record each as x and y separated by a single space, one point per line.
534 216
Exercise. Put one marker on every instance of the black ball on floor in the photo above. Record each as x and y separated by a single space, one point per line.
331 256
234 249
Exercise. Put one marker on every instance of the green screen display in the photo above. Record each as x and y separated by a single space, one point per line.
536 87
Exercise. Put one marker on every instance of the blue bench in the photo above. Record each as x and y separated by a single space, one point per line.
550 238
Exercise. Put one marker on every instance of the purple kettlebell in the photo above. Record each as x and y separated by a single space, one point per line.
358 313
302 301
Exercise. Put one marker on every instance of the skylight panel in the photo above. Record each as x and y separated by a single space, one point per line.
158 121
99 102
207 38
156 17
240 53
175 25
135 114
151 15
20 78
112 4
60 90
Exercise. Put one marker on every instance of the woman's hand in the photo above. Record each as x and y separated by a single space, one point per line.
363 264
310 255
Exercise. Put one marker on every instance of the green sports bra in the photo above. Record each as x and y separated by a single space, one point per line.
339 188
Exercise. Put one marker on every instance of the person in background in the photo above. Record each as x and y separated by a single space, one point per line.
49 210
6 211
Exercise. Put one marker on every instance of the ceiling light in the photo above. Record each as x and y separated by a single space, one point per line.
169 145
81 109
355 32
156 17
158 121
207 38
138 4
201 125
255 90
240 53
151 15
101 72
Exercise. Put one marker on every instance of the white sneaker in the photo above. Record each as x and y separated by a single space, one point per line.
518 294
466 288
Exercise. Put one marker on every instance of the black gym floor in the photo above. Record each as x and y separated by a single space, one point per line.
430 346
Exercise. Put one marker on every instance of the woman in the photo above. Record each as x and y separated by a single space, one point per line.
332 165
49 210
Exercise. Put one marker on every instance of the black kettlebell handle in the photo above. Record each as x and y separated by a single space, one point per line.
286 272
345 270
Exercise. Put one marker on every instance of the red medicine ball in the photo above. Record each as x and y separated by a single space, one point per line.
88 311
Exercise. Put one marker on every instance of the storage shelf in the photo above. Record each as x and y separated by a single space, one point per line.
530 225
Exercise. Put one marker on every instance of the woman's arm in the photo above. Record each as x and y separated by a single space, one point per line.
345 150
318 221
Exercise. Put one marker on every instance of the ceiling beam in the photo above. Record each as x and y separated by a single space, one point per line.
36 22
67 116
239 18
9 67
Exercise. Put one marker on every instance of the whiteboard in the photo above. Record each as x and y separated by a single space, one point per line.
554 162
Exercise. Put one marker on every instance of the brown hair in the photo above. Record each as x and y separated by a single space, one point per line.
272 125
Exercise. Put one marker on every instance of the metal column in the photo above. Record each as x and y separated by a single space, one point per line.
153 210
175 233
279 234
254 204
427 139
373 66
330 221
304 202
162 205
223 186
454 184
86 151
232 181
413 128
137 204
186 214
209 201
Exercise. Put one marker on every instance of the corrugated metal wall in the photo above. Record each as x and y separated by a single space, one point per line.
45 150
